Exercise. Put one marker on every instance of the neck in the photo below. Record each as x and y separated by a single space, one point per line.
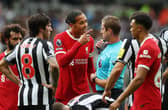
73 33
7 50
40 36
142 36
114 39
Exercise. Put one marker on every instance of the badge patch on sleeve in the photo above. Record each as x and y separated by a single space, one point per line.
121 53
58 42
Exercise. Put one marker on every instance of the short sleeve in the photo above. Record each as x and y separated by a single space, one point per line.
48 50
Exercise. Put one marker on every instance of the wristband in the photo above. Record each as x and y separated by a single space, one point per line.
94 79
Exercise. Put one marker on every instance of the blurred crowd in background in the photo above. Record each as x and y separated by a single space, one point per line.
17 11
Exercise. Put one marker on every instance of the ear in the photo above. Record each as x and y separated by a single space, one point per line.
41 30
70 24
110 30
6 41
140 28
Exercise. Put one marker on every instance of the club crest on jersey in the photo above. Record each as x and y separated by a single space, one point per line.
58 42
145 52
86 50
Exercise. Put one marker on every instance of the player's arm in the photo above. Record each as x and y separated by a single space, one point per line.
91 68
165 74
134 84
64 57
114 75
54 70
100 82
48 52
6 71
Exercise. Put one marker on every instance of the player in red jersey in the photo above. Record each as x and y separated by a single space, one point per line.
11 35
146 82
73 49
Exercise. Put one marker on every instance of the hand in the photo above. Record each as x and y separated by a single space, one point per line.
49 86
114 105
99 44
93 75
106 93
85 37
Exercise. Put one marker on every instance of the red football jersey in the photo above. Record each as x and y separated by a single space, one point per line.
75 64
8 90
147 96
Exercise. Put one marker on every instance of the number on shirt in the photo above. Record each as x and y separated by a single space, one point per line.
27 70
157 79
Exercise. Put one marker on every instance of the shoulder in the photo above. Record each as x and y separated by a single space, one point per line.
59 38
151 45
59 35
130 42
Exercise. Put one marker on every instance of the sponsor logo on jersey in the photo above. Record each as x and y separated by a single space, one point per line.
72 63
27 46
58 42
145 54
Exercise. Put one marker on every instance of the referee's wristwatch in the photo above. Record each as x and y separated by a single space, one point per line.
94 79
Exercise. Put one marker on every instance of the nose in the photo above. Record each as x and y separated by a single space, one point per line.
85 24
51 29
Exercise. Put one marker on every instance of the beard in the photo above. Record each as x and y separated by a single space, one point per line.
10 46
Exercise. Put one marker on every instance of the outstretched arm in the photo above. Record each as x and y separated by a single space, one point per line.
134 85
115 73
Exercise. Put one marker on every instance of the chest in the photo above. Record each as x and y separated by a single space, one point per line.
83 51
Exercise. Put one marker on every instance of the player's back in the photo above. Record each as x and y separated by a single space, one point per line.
31 57
89 101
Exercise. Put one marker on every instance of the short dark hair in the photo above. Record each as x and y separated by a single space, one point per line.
58 106
9 28
112 22
143 19
36 22
71 17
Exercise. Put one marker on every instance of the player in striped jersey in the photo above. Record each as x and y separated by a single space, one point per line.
35 59
164 35
88 101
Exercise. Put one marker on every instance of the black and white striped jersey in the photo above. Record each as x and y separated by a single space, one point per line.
89 101
127 54
31 56
164 34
